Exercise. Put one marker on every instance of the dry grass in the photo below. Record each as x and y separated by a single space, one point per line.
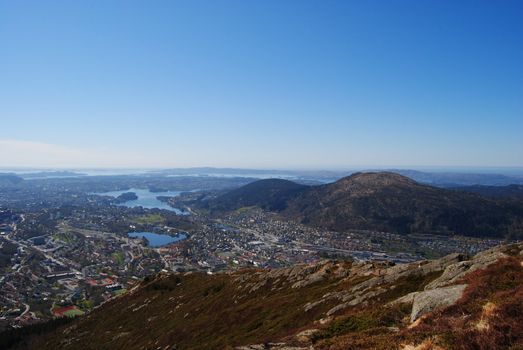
428 344
488 316
197 311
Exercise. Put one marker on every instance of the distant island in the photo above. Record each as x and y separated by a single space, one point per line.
126 196
50 174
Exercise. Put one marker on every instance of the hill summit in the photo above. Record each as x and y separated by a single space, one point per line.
375 179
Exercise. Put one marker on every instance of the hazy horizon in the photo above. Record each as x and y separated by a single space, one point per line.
508 171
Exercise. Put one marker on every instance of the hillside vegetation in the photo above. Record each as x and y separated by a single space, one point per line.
455 302
270 194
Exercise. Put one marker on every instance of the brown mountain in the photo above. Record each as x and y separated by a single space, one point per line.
383 201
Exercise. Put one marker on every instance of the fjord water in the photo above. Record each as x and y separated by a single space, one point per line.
146 199
157 240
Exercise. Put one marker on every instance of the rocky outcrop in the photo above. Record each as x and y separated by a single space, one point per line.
458 270
430 300
322 274
443 291
382 277
298 276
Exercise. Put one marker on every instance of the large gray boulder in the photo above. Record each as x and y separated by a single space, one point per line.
433 299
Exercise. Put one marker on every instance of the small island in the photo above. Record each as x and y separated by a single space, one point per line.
126 196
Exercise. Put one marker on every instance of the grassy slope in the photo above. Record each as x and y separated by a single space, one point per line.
198 311
195 311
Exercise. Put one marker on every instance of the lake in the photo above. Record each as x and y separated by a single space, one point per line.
146 199
157 240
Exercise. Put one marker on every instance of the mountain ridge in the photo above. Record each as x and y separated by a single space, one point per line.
384 201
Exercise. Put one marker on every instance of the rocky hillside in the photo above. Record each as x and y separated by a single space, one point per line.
456 302
384 202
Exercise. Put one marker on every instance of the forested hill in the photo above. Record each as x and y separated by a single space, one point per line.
381 201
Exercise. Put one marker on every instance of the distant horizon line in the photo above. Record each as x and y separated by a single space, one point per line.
290 169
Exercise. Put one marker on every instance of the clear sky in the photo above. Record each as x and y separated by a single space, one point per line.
263 84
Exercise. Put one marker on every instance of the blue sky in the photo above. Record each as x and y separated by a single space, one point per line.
263 84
